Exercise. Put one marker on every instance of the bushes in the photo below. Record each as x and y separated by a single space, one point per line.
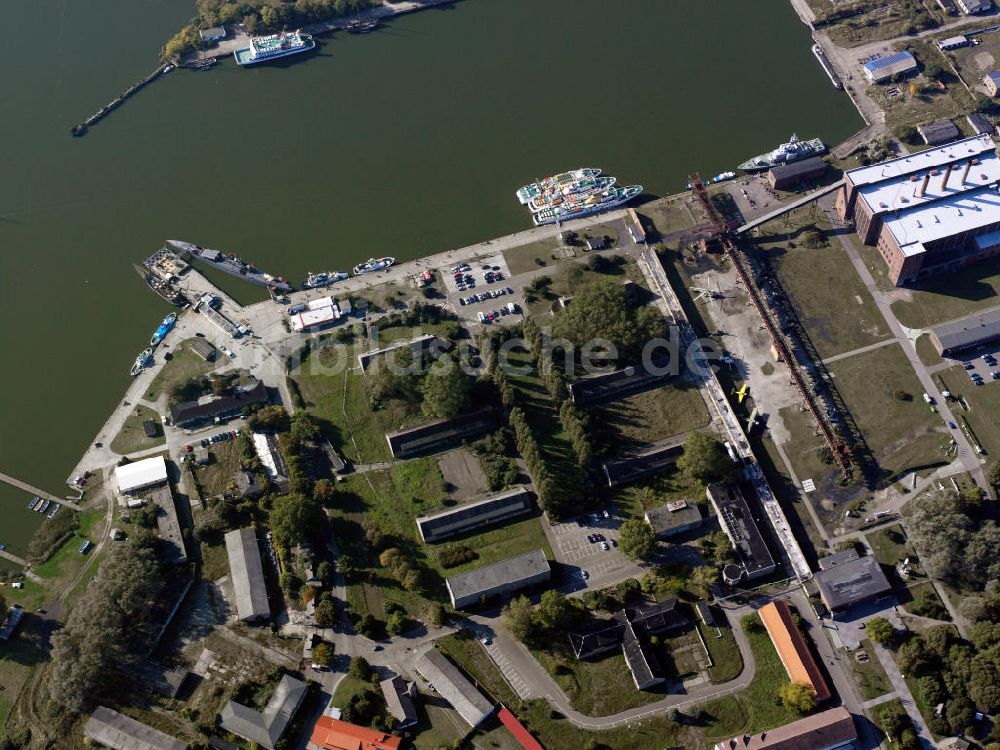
451 557
494 454
50 535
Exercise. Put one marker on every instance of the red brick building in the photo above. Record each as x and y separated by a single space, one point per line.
929 212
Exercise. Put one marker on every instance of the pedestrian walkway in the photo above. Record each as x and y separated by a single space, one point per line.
902 691
14 482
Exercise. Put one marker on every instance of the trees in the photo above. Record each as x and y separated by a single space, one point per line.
325 613
555 610
797 697
324 491
269 419
940 533
322 654
702 580
601 311
295 518
519 618
716 548
445 394
704 459
360 669
637 539
881 630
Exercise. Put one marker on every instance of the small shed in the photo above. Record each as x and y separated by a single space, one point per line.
596 243
247 485
203 349
150 428
940 131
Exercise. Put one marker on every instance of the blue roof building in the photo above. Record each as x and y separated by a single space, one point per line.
883 68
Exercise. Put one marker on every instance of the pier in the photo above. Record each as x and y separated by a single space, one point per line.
81 129
14 482
13 558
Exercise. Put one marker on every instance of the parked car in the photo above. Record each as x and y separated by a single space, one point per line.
583 574
604 546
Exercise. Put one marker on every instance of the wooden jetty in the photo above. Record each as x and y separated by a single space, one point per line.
13 558
81 129
14 482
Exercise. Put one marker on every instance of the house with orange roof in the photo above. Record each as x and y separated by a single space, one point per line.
792 647
333 734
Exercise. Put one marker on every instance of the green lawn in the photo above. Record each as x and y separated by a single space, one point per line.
869 676
926 351
523 259
983 407
393 498
830 298
889 545
651 416
347 688
902 434
599 686
216 476
340 401
756 708
951 295
67 559
654 491
183 366
671 214
131 437
727 663
551 729
18 658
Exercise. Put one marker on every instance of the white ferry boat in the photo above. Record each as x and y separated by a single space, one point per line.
266 48
373 264
587 205
529 191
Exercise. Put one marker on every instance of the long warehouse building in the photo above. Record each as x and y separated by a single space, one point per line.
445 524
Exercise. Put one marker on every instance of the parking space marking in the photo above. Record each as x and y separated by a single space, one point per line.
507 670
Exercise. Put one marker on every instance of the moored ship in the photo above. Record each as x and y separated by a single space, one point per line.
556 196
786 153
315 280
266 48
163 329
373 264
529 191
140 362
232 264
587 204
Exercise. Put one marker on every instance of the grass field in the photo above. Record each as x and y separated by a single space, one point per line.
830 298
926 351
951 295
599 686
183 366
869 676
756 708
658 490
215 477
131 437
523 259
889 545
342 405
878 22
671 214
902 434
67 560
727 663
983 407
393 499
651 416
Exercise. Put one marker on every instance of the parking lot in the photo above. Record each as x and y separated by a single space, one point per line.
481 292
982 368
572 546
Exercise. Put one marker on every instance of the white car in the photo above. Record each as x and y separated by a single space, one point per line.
583 574
604 546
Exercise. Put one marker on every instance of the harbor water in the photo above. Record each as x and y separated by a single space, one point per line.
402 142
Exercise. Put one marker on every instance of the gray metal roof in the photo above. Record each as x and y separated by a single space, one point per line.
812 165
433 436
454 687
265 727
247 573
120 732
852 582
969 331
939 131
452 521
398 700
673 516
501 573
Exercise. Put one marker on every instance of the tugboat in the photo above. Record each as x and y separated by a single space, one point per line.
140 362
373 264
786 153
163 330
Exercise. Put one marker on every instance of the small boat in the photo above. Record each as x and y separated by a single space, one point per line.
55 509
3 547
163 330
34 501
43 507
314 280
85 546
722 177
362 27
373 264
140 362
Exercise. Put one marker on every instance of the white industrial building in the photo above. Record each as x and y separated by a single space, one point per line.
139 475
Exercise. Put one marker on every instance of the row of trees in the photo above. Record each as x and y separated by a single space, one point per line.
555 613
